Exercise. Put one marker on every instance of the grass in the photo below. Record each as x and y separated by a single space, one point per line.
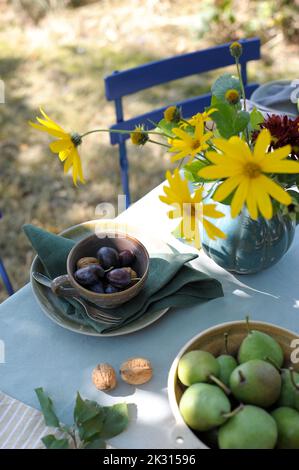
60 63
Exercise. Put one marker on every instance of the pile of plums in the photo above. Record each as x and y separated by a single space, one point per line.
109 272
246 402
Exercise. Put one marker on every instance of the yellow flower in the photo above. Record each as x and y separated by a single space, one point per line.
232 96
172 114
205 116
188 145
138 136
190 208
244 172
65 146
236 49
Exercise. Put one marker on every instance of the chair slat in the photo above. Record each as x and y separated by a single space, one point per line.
156 73
189 108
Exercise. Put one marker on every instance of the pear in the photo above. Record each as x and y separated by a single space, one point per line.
289 395
256 382
197 366
259 345
226 362
204 406
287 421
250 428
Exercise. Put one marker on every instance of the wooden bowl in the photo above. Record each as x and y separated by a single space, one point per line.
89 247
212 340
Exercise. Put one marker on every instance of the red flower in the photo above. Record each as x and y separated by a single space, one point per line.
283 131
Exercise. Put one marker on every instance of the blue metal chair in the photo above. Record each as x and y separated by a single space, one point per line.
130 81
4 276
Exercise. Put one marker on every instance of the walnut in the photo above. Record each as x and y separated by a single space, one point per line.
136 371
88 260
104 377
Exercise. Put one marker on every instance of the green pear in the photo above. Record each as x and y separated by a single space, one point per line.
287 421
256 382
204 406
197 366
259 345
250 428
227 364
289 395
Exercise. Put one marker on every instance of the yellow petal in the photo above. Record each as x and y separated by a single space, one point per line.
51 121
280 166
213 232
280 153
49 131
226 188
209 210
251 202
239 198
60 145
263 200
262 143
274 190
215 172
64 154
182 134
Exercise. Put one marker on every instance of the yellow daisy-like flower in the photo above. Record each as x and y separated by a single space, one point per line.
245 172
65 146
138 136
232 96
205 116
187 144
172 114
190 208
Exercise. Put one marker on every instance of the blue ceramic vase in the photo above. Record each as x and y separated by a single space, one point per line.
251 245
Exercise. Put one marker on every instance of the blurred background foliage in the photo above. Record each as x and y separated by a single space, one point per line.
55 53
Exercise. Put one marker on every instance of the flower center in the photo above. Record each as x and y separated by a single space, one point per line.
76 139
195 144
253 170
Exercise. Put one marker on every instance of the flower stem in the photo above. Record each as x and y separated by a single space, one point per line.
158 143
121 131
243 94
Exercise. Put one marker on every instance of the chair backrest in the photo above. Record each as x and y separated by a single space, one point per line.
130 81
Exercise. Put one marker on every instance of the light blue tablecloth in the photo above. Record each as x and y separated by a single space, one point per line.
40 353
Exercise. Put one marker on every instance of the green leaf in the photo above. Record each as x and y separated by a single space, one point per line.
241 121
92 427
116 420
51 442
191 171
97 443
229 120
256 118
85 410
223 83
46 405
294 195
167 127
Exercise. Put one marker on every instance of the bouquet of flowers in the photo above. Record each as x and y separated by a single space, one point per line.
229 154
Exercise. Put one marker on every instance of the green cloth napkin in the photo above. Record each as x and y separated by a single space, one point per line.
171 282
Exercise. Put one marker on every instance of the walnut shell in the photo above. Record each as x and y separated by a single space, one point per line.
104 377
83 262
136 371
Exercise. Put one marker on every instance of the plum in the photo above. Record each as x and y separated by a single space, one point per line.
119 278
108 257
126 258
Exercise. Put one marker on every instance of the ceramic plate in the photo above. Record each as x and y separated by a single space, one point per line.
49 302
